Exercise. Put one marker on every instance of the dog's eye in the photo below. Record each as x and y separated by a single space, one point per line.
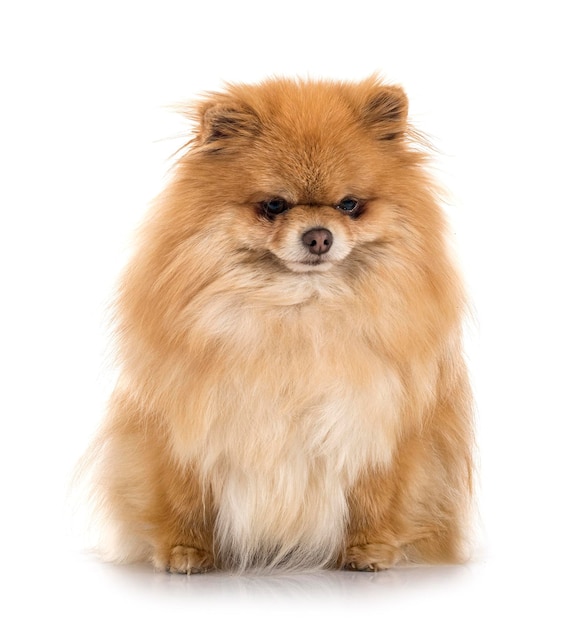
275 206
348 205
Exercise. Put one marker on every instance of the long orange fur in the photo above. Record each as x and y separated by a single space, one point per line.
277 408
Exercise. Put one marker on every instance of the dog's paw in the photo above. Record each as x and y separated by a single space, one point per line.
188 560
371 557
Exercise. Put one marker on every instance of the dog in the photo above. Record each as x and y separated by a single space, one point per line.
292 392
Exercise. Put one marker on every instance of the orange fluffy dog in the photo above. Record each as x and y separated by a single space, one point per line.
292 391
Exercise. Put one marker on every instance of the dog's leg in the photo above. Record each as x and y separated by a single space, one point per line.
415 510
152 499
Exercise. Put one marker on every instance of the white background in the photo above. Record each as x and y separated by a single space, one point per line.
84 144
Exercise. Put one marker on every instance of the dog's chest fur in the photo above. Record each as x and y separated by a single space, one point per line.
304 405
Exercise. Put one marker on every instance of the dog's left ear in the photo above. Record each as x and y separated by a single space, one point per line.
385 112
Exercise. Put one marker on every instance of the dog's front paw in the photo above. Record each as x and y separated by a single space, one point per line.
371 557
187 560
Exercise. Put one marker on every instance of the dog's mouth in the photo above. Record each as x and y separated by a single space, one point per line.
316 250
319 264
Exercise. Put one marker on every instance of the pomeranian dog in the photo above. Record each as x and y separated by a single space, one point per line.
292 391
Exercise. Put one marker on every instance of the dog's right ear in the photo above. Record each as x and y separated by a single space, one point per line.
222 121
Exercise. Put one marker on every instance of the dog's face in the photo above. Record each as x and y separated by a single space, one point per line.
301 174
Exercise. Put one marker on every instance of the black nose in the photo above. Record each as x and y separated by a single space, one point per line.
318 240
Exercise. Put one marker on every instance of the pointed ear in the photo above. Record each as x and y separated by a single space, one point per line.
385 112
221 122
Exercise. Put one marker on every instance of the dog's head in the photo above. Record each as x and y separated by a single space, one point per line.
308 174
